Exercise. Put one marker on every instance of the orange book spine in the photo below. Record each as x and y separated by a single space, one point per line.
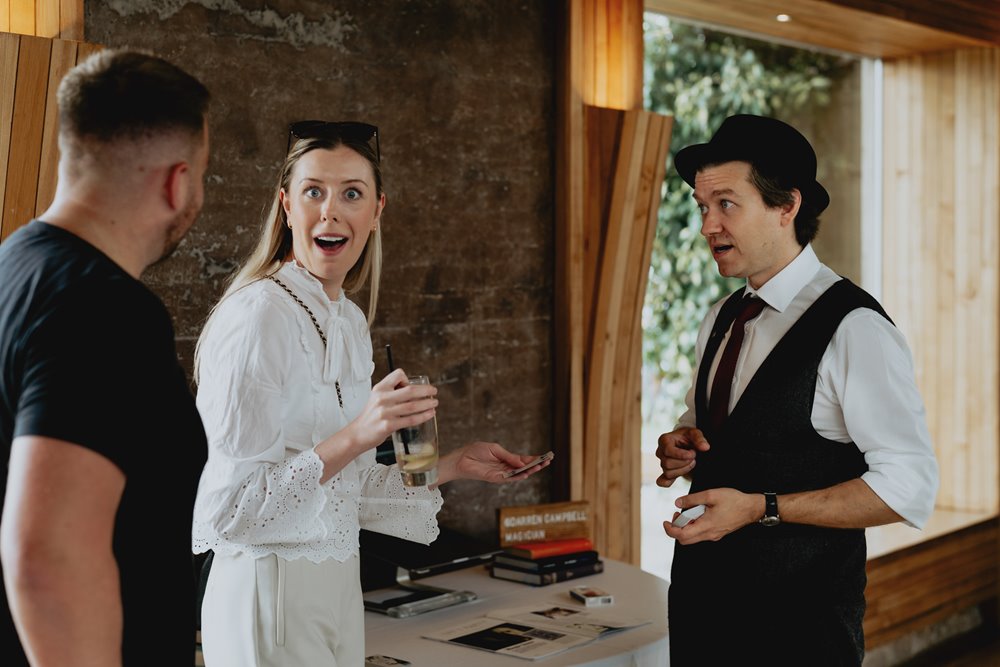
552 548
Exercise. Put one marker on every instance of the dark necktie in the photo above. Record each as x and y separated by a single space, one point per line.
722 385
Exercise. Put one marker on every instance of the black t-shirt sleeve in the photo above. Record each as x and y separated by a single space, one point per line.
91 368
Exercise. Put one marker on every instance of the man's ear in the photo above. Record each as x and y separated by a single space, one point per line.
790 210
176 185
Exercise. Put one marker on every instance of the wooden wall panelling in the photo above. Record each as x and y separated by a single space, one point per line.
85 49
70 19
614 63
47 18
914 588
9 45
32 69
64 57
935 309
43 18
22 16
26 133
977 288
941 285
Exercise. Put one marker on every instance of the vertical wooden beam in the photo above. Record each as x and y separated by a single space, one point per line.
658 146
70 19
569 321
603 132
601 58
601 453
613 360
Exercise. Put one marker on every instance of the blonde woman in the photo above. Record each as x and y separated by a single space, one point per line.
284 369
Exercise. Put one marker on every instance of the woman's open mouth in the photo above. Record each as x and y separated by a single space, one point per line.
330 242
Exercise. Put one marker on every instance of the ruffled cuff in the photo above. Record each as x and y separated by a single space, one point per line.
280 503
408 512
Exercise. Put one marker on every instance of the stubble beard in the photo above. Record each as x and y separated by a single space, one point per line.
177 229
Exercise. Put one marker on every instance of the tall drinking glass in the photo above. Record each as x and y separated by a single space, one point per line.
416 447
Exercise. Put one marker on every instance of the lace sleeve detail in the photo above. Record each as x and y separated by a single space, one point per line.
409 512
276 503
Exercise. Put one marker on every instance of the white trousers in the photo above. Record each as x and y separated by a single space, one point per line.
272 612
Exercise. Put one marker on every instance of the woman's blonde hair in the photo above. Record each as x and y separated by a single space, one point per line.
274 245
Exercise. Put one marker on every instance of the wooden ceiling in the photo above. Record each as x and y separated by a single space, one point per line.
864 27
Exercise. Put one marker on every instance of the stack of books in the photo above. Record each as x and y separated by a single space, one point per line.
543 563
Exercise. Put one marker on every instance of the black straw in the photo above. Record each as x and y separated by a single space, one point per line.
403 433
388 353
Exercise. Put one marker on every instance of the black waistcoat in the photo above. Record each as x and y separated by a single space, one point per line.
789 594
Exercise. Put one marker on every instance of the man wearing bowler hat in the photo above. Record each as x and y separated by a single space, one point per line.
803 426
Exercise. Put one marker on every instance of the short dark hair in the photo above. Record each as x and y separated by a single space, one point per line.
125 94
774 195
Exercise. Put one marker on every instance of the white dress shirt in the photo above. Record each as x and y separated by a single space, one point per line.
866 390
267 396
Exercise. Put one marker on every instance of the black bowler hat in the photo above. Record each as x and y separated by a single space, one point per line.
776 149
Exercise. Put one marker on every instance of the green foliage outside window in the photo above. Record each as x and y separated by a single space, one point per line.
700 77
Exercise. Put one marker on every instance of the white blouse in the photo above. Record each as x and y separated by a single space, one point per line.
267 396
866 391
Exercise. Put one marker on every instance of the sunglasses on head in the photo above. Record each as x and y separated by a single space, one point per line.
344 131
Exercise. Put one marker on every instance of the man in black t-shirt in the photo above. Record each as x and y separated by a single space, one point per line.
104 442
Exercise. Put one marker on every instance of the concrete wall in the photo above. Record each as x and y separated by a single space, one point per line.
463 94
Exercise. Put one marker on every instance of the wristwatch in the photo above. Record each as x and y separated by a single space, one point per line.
771 516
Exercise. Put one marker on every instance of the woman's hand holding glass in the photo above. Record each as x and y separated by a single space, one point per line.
416 447
396 404
392 405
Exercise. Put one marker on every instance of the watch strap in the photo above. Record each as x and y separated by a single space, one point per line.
771 516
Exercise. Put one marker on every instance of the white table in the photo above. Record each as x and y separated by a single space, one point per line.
637 594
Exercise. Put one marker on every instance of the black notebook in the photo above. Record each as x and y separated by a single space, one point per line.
383 556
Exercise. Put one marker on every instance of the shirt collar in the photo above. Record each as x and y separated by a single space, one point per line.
348 349
779 291
304 280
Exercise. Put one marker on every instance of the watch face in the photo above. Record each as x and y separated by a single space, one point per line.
770 521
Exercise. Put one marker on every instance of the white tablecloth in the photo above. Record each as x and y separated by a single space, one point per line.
637 594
